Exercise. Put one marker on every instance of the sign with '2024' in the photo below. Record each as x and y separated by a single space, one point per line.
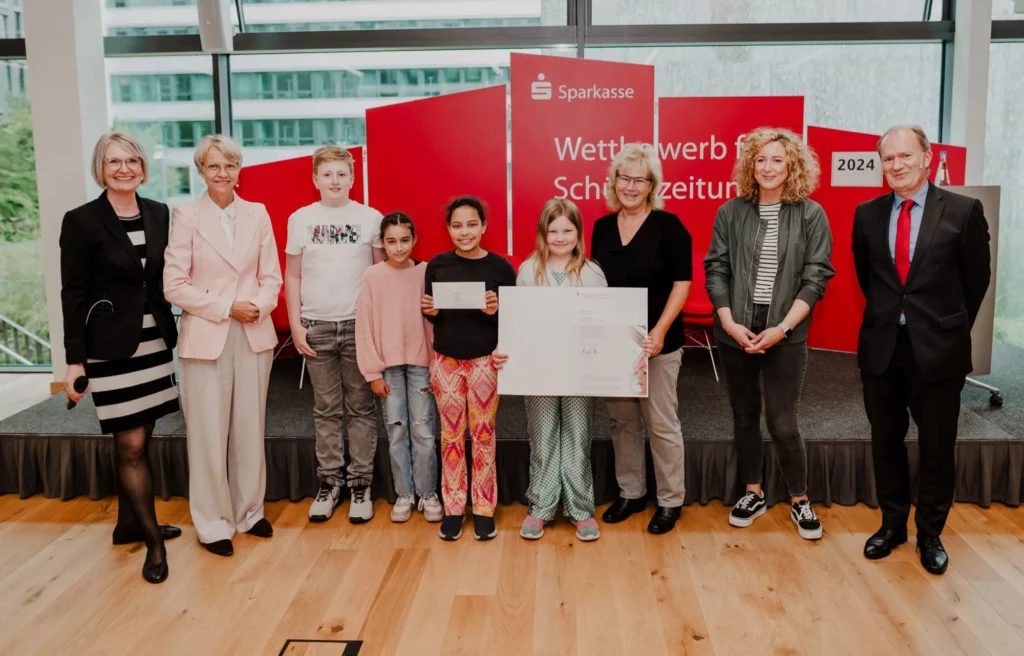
856 169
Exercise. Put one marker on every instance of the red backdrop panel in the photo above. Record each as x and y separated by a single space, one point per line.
698 141
425 152
284 187
838 316
569 118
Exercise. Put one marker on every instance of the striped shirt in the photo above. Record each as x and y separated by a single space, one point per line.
764 284
136 233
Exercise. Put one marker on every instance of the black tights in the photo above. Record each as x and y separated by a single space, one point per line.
135 507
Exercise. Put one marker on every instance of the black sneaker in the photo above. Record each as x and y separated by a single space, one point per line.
484 527
747 509
806 521
451 527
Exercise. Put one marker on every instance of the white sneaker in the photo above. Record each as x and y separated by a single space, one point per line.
402 510
360 510
431 508
328 497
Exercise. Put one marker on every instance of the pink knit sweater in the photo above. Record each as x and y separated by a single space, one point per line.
390 328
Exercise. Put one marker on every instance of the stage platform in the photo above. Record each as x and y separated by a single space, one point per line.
59 453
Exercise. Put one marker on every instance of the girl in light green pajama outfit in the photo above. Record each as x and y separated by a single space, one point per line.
559 426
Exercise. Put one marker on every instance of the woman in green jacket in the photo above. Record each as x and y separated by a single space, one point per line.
767 266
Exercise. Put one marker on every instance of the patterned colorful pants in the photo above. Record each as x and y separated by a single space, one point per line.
560 469
461 386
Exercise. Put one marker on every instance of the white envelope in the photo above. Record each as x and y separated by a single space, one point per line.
459 296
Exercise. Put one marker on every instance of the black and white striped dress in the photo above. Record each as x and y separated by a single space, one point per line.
138 390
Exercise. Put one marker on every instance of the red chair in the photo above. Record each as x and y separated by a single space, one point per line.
699 313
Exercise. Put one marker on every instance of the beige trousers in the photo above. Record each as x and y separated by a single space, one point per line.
225 403
659 412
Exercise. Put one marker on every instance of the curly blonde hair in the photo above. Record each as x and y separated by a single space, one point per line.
804 171
645 154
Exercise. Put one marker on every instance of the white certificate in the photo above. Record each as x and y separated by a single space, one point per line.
572 341
459 295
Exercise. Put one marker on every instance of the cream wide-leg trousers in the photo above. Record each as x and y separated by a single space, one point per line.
225 403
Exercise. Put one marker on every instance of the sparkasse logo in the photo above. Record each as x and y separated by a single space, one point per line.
540 90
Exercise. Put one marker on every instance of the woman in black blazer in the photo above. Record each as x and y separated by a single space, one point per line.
119 331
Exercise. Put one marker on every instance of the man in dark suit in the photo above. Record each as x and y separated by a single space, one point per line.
922 260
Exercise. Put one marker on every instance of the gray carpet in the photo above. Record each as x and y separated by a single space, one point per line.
831 407
59 453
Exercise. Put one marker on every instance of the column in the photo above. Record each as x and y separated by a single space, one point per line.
970 83
64 50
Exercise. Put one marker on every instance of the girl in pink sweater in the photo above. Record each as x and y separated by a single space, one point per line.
393 351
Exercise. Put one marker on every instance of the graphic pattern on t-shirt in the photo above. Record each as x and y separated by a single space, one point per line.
769 266
327 233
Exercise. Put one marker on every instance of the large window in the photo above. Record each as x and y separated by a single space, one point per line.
364 83
129 18
23 319
167 103
672 12
1004 166
286 104
161 87
865 88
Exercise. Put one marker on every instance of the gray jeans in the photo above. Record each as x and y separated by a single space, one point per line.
659 412
339 389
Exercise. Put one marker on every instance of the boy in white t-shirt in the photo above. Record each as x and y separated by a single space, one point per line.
330 243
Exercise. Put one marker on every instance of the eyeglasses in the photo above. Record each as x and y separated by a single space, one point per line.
626 181
132 162
217 168
889 162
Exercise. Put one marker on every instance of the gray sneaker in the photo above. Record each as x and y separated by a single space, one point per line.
360 510
328 497
402 510
432 509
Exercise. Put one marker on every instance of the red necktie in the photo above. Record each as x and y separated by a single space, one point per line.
903 240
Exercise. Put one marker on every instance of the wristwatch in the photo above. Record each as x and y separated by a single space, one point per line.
785 329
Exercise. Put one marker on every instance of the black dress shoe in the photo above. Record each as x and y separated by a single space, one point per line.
261 529
883 542
933 555
220 547
622 509
128 535
664 519
155 573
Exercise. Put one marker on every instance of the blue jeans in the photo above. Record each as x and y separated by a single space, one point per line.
409 410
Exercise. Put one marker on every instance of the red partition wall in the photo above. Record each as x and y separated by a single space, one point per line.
569 118
425 152
284 187
698 142
837 317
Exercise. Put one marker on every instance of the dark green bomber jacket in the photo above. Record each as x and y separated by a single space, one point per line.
805 246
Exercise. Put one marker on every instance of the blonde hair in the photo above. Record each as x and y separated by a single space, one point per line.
553 209
99 155
922 138
804 171
332 153
631 153
225 144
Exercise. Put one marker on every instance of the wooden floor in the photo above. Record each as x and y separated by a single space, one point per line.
704 589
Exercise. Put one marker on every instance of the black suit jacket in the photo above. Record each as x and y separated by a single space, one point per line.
948 278
101 271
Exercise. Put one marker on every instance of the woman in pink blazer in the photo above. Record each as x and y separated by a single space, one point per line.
222 270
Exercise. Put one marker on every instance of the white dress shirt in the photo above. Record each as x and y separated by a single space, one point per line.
227 221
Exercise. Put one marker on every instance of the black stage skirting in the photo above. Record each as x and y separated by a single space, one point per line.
59 453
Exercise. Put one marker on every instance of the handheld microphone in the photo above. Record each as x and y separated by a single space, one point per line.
81 384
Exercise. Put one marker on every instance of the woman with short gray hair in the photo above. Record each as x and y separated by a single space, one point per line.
223 272
641 245
119 331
